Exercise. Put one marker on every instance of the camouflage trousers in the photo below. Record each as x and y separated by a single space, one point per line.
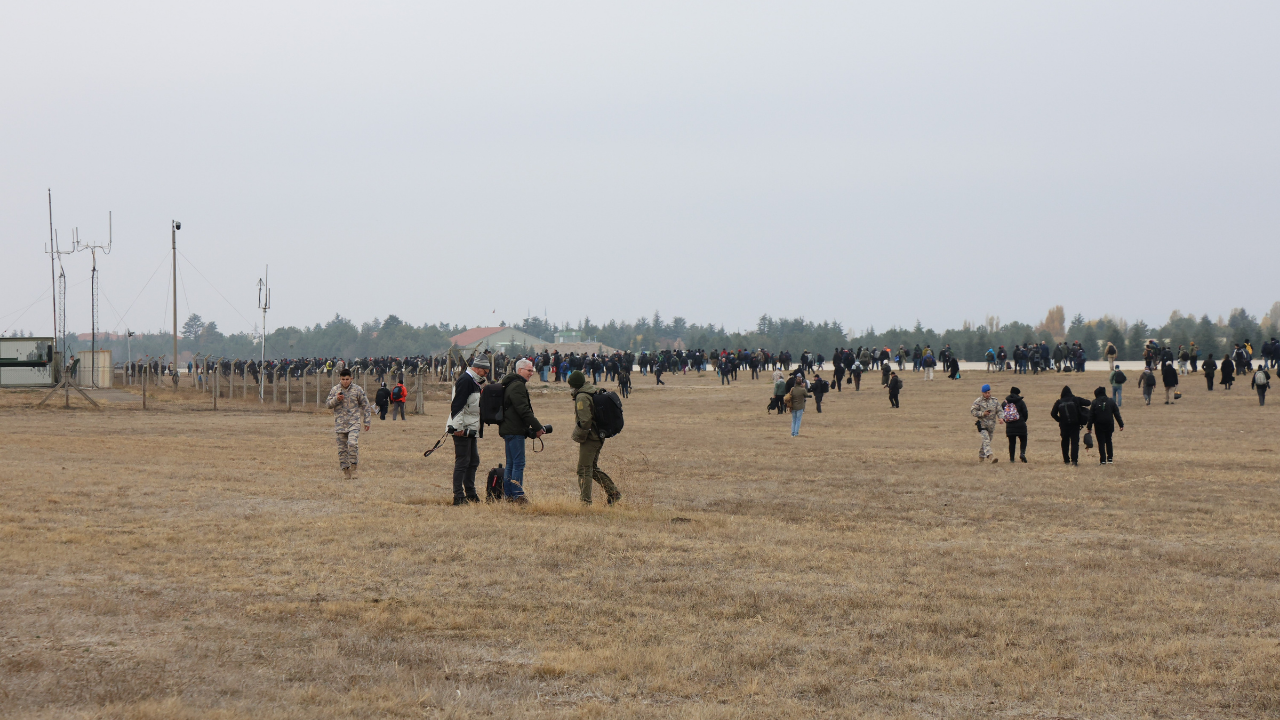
348 448
985 452
589 470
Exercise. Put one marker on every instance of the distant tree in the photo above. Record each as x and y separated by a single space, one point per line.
1054 323
192 327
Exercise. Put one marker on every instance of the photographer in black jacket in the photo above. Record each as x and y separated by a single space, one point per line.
518 424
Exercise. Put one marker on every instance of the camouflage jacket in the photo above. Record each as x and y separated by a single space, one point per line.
353 411
987 410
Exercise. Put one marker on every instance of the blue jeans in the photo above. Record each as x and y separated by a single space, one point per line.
796 416
513 475
543 373
1116 394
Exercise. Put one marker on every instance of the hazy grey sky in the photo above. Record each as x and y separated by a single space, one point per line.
872 163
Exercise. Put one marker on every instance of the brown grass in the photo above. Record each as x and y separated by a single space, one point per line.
185 563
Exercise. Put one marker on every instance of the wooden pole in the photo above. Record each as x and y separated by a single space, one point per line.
144 389
216 390
288 398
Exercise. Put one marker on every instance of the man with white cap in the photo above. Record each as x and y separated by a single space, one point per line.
464 425
987 410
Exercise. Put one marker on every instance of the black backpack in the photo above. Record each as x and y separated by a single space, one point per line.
607 409
493 484
491 400
1119 378
1069 411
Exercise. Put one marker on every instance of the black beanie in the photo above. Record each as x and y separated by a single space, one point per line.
1014 391
1100 392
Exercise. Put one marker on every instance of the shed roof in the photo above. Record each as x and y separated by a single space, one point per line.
470 336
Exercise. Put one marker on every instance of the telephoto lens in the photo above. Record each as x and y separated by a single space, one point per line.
546 429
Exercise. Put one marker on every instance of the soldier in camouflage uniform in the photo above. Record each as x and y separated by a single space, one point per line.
351 409
987 410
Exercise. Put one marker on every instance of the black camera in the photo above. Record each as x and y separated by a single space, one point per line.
468 433
546 430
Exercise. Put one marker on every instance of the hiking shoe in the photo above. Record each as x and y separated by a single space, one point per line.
347 472
614 498
355 472
1023 458
459 501
995 460
522 500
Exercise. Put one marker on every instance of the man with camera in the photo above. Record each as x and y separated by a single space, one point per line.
351 409
464 425
589 441
518 423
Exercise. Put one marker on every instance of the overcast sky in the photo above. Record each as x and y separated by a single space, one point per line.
872 163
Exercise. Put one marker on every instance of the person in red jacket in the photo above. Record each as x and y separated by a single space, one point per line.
398 396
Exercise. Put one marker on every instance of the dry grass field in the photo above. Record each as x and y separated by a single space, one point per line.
182 563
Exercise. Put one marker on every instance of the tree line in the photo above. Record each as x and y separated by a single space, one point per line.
392 336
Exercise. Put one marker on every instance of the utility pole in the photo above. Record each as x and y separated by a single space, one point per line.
264 303
173 230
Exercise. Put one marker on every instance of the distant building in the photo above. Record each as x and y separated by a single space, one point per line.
569 336
497 339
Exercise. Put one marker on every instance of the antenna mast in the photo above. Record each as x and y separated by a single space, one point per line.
93 293
264 303
173 229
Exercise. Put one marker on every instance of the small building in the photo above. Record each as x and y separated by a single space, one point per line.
569 336
495 339
28 362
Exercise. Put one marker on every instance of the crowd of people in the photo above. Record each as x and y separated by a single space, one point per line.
795 383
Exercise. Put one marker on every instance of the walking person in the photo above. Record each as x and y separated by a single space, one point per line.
398 396
464 425
1228 369
589 441
1066 412
351 409
798 394
1261 381
518 424
1209 368
1170 377
895 387
1104 418
818 388
381 399
1117 379
1147 381
779 391
987 411
855 371
1014 415
1110 354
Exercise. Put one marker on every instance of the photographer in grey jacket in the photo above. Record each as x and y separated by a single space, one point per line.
464 425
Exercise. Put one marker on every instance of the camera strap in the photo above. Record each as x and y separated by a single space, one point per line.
437 445
539 442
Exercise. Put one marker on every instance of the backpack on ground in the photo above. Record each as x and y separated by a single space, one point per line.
607 409
491 398
493 484
1010 413
1119 378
